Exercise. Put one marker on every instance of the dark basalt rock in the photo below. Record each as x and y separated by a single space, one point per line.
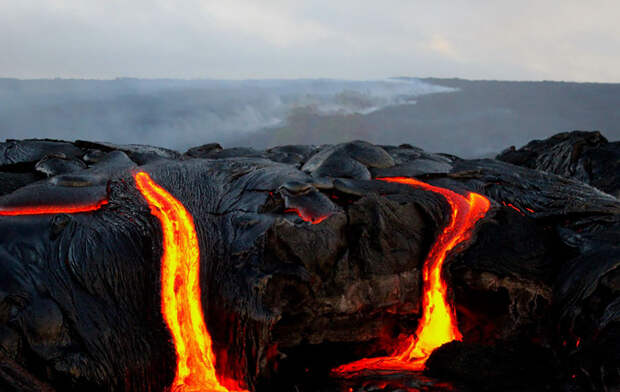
293 155
52 165
285 300
12 181
141 154
503 367
14 152
585 156
411 162
93 156
203 151
348 160
219 153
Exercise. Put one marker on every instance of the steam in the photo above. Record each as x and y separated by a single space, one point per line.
183 113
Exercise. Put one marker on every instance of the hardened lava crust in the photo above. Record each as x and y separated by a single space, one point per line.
308 261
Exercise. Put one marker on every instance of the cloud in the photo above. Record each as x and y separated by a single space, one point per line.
572 40
274 25
442 46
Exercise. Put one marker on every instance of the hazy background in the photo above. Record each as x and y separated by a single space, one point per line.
182 113
571 40
241 72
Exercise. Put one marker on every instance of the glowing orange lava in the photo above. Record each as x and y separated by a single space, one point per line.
307 217
515 208
437 325
180 292
42 210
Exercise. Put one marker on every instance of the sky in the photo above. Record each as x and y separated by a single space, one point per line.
344 39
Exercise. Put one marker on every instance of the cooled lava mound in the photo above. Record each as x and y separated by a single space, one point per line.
137 268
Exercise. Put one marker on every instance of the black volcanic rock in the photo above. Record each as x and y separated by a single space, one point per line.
505 366
14 152
52 165
10 181
202 151
348 160
585 156
139 153
282 297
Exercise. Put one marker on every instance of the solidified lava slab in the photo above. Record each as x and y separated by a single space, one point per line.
306 262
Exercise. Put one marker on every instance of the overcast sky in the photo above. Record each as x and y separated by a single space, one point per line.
351 39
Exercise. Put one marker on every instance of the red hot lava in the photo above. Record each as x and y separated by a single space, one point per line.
60 209
307 217
438 323
182 308
181 305
180 293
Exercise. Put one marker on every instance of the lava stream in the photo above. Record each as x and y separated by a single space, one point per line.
180 292
46 209
437 325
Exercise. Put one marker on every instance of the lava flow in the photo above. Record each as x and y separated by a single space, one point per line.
438 323
180 292
46 209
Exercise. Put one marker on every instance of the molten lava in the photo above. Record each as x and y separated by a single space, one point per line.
307 217
180 292
60 209
437 325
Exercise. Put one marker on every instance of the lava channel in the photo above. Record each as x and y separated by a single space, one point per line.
50 209
437 325
180 293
